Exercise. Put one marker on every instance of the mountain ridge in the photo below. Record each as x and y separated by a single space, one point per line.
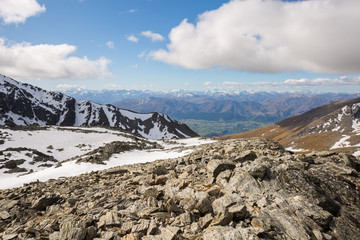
24 104
335 126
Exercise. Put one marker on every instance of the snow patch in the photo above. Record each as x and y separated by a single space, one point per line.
295 150
342 143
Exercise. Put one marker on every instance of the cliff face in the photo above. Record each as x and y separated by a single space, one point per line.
235 189
24 104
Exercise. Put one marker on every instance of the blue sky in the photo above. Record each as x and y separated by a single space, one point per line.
182 44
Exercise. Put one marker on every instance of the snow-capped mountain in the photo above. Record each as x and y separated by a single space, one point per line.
334 127
24 104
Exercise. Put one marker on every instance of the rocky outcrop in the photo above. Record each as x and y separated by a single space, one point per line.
236 189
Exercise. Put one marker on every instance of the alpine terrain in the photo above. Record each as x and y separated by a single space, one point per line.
227 190
24 104
334 127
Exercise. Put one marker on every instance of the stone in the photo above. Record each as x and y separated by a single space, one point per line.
247 155
222 218
151 192
9 236
153 227
186 218
141 227
215 167
172 206
221 204
146 212
242 181
131 236
222 233
159 170
205 221
45 201
4 215
168 233
259 168
204 206
110 219
239 212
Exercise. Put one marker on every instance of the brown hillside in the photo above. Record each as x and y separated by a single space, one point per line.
317 129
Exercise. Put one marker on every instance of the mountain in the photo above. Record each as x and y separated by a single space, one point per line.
208 108
214 105
335 126
227 190
24 104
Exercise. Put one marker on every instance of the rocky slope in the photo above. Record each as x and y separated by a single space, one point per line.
24 104
235 189
334 126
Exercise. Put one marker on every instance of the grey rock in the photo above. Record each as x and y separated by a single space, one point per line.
4 215
204 206
110 219
224 202
222 218
222 233
168 233
247 155
205 221
239 212
45 201
215 167
141 227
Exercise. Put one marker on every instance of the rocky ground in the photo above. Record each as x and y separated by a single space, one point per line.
234 189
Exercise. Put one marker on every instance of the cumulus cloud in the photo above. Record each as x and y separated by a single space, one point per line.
110 44
270 37
45 61
303 82
207 83
132 38
18 11
153 36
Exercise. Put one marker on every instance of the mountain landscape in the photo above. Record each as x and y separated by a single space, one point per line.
334 127
180 120
216 113
24 104
228 190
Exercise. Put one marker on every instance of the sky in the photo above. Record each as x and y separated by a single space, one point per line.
252 45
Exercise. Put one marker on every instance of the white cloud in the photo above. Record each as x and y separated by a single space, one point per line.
344 80
132 10
45 61
207 83
132 38
65 86
269 37
187 84
303 82
153 36
17 11
110 44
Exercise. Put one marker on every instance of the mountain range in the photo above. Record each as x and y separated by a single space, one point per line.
214 105
23 104
334 126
